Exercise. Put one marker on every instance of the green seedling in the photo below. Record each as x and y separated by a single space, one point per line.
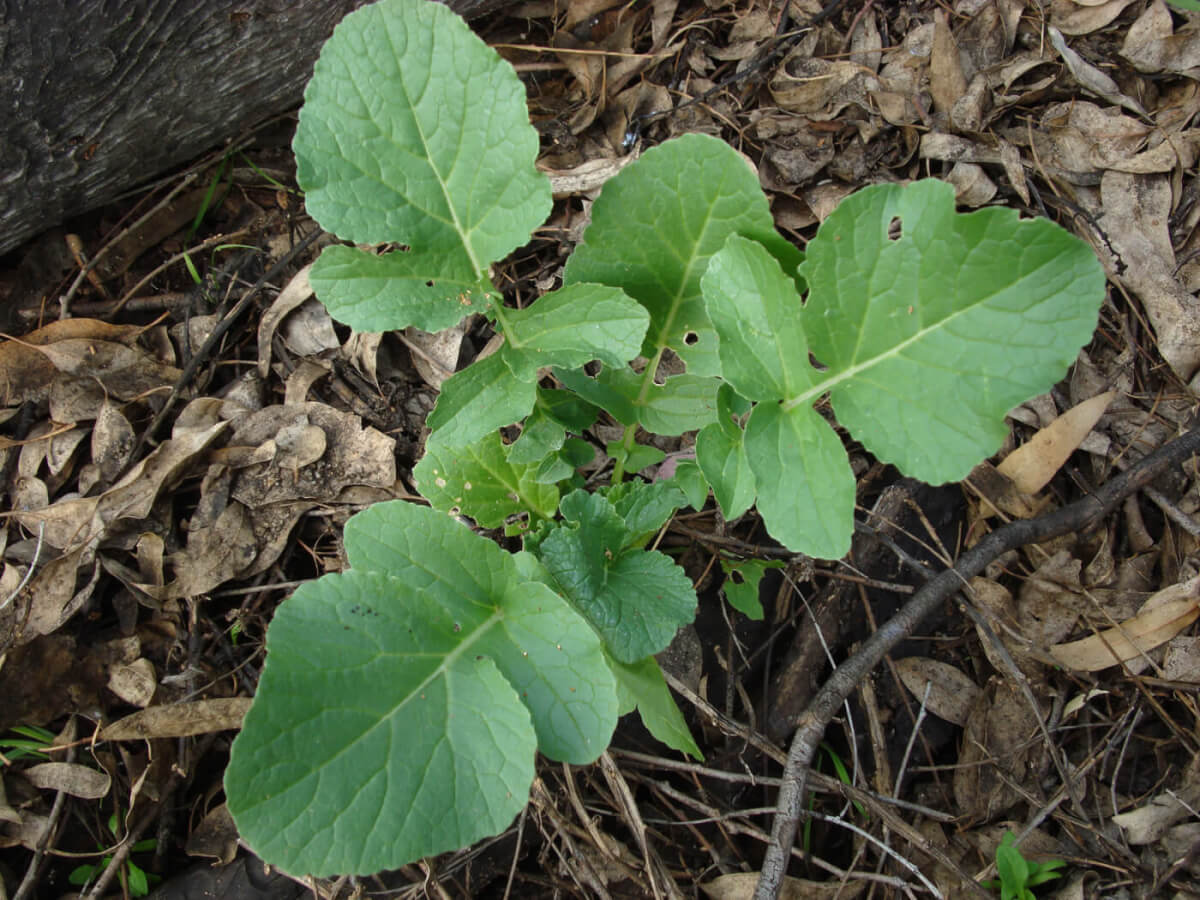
403 700
30 743
137 879
1017 874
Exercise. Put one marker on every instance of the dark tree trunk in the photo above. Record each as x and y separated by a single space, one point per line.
97 96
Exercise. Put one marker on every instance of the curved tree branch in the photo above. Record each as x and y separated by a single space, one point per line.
846 677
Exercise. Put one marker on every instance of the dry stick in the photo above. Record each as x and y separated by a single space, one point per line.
845 678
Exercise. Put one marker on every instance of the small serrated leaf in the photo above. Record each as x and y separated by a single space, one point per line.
635 599
479 481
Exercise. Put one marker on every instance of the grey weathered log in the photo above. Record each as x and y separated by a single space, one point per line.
97 97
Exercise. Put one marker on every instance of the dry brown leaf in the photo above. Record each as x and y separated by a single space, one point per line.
214 554
1153 47
588 176
972 187
1151 821
25 374
740 886
1092 78
216 836
134 683
70 778
57 591
996 751
179 720
947 83
300 382
435 354
1034 463
1163 616
308 329
294 293
1135 213
951 693
1050 600
821 89
1076 17
113 440
1182 662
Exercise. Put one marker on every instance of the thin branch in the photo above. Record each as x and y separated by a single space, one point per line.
841 684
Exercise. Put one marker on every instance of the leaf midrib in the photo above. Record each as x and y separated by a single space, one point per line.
848 374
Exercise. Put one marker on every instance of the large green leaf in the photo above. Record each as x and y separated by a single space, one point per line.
635 599
479 481
932 336
928 327
654 227
402 701
414 131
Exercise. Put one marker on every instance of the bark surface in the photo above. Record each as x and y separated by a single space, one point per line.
97 97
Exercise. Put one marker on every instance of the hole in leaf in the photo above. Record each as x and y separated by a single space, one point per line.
894 229
691 338
737 577
429 284
817 364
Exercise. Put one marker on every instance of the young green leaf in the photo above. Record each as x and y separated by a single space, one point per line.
556 412
742 578
386 694
641 685
681 403
573 326
690 479
927 337
721 456
635 457
479 481
478 400
654 227
414 131
645 507
635 599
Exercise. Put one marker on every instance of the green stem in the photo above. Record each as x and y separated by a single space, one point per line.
627 440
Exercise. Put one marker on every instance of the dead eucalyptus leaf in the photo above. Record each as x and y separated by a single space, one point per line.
294 293
740 886
1162 617
951 692
179 720
70 778
1034 463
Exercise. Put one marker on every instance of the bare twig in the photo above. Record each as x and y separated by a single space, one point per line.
842 682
